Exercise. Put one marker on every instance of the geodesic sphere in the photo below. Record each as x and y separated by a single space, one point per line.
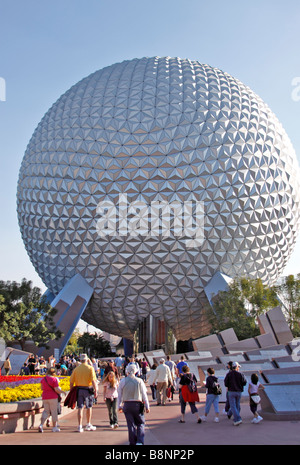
119 159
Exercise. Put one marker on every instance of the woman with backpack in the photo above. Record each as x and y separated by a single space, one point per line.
212 394
188 393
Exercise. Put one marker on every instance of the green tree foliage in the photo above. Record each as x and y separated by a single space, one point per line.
260 298
94 345
239 306
72 346
25 315
289 292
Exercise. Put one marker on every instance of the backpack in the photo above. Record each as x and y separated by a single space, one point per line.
192 386
217 390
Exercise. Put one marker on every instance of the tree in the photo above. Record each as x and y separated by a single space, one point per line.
240 305
289 292
229 311
72 346
94 345
26 315
258 297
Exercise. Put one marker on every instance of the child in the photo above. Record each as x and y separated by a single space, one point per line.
110 396
211 398
253 388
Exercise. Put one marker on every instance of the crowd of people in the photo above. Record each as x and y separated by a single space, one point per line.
124 382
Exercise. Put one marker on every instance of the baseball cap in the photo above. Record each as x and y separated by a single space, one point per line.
235 365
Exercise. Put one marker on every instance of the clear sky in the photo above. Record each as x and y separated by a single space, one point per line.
47 46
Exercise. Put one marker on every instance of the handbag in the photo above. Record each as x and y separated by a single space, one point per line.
256 398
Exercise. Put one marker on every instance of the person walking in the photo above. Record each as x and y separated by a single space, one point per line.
110 366
254 398
162 378
119 363
226 410
180 365
51 397
132 361
172 367
84 377
188 380
133 401
144 369
150 380
110 396
95 366
235 382
6 366
211 397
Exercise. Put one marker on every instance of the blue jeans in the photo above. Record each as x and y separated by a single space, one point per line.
211 399
153 390
234 402
135 422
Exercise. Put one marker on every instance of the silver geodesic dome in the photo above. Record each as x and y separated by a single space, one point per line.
147 132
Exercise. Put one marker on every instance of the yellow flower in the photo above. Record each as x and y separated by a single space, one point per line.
29 391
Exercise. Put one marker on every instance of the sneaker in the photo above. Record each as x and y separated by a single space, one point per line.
199 420
90 427
55 429
216 420
203 418
41 429
255 420
237 423
259 418
116 426
112 426
80 429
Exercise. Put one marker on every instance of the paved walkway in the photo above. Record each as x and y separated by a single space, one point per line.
163 429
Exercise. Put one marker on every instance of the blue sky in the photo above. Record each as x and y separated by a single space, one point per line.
46 47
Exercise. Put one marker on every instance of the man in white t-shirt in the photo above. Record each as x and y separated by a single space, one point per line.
162 377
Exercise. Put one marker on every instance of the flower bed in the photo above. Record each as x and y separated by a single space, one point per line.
17 388
14 381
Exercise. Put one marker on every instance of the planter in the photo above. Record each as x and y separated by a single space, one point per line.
23 415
